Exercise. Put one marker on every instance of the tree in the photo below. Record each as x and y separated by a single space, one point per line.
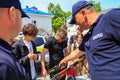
50 8
57 22
60 16
96 5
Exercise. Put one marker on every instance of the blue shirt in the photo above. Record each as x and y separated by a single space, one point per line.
10 69
102 46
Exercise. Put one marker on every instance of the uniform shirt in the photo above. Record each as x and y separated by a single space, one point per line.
10 69
102 46
55 50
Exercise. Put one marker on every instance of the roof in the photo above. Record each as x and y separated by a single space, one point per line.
33 10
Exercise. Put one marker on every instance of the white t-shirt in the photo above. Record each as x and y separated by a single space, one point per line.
32 67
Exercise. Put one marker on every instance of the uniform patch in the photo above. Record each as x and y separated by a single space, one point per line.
99 35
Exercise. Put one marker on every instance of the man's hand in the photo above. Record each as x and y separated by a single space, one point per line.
44 73
62 64
32 56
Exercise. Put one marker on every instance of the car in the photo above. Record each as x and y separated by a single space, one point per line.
39 42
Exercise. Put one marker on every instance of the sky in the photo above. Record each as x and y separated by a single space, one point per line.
66 5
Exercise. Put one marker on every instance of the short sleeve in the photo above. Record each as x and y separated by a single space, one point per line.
114 30
48 43
65 43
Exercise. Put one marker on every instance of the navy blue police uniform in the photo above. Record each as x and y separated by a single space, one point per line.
9 65
102 45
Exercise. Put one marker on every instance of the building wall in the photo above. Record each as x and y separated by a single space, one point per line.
44 22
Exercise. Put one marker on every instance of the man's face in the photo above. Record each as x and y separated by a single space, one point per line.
79 38
18 21
12 18
81 19
18 18
59 39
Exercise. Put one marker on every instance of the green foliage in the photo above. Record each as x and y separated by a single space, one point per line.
60 16
96 5
50 6
56 23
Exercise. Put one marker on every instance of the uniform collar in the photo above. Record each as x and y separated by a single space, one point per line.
95 23
5 46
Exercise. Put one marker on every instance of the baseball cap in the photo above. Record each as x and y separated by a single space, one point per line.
78 6
14 3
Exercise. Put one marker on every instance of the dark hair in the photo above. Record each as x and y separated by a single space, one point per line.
30 29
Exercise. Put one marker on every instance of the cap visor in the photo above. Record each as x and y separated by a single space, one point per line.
24 15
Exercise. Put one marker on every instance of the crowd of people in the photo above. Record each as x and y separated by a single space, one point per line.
101 44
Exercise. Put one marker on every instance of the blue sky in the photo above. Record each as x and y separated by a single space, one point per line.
66 5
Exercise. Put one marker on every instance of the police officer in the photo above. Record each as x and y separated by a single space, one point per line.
101 43
10 24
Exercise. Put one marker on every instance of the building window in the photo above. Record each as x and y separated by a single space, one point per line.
34 22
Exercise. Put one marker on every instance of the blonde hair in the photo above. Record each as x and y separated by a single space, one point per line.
62 33
63 27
